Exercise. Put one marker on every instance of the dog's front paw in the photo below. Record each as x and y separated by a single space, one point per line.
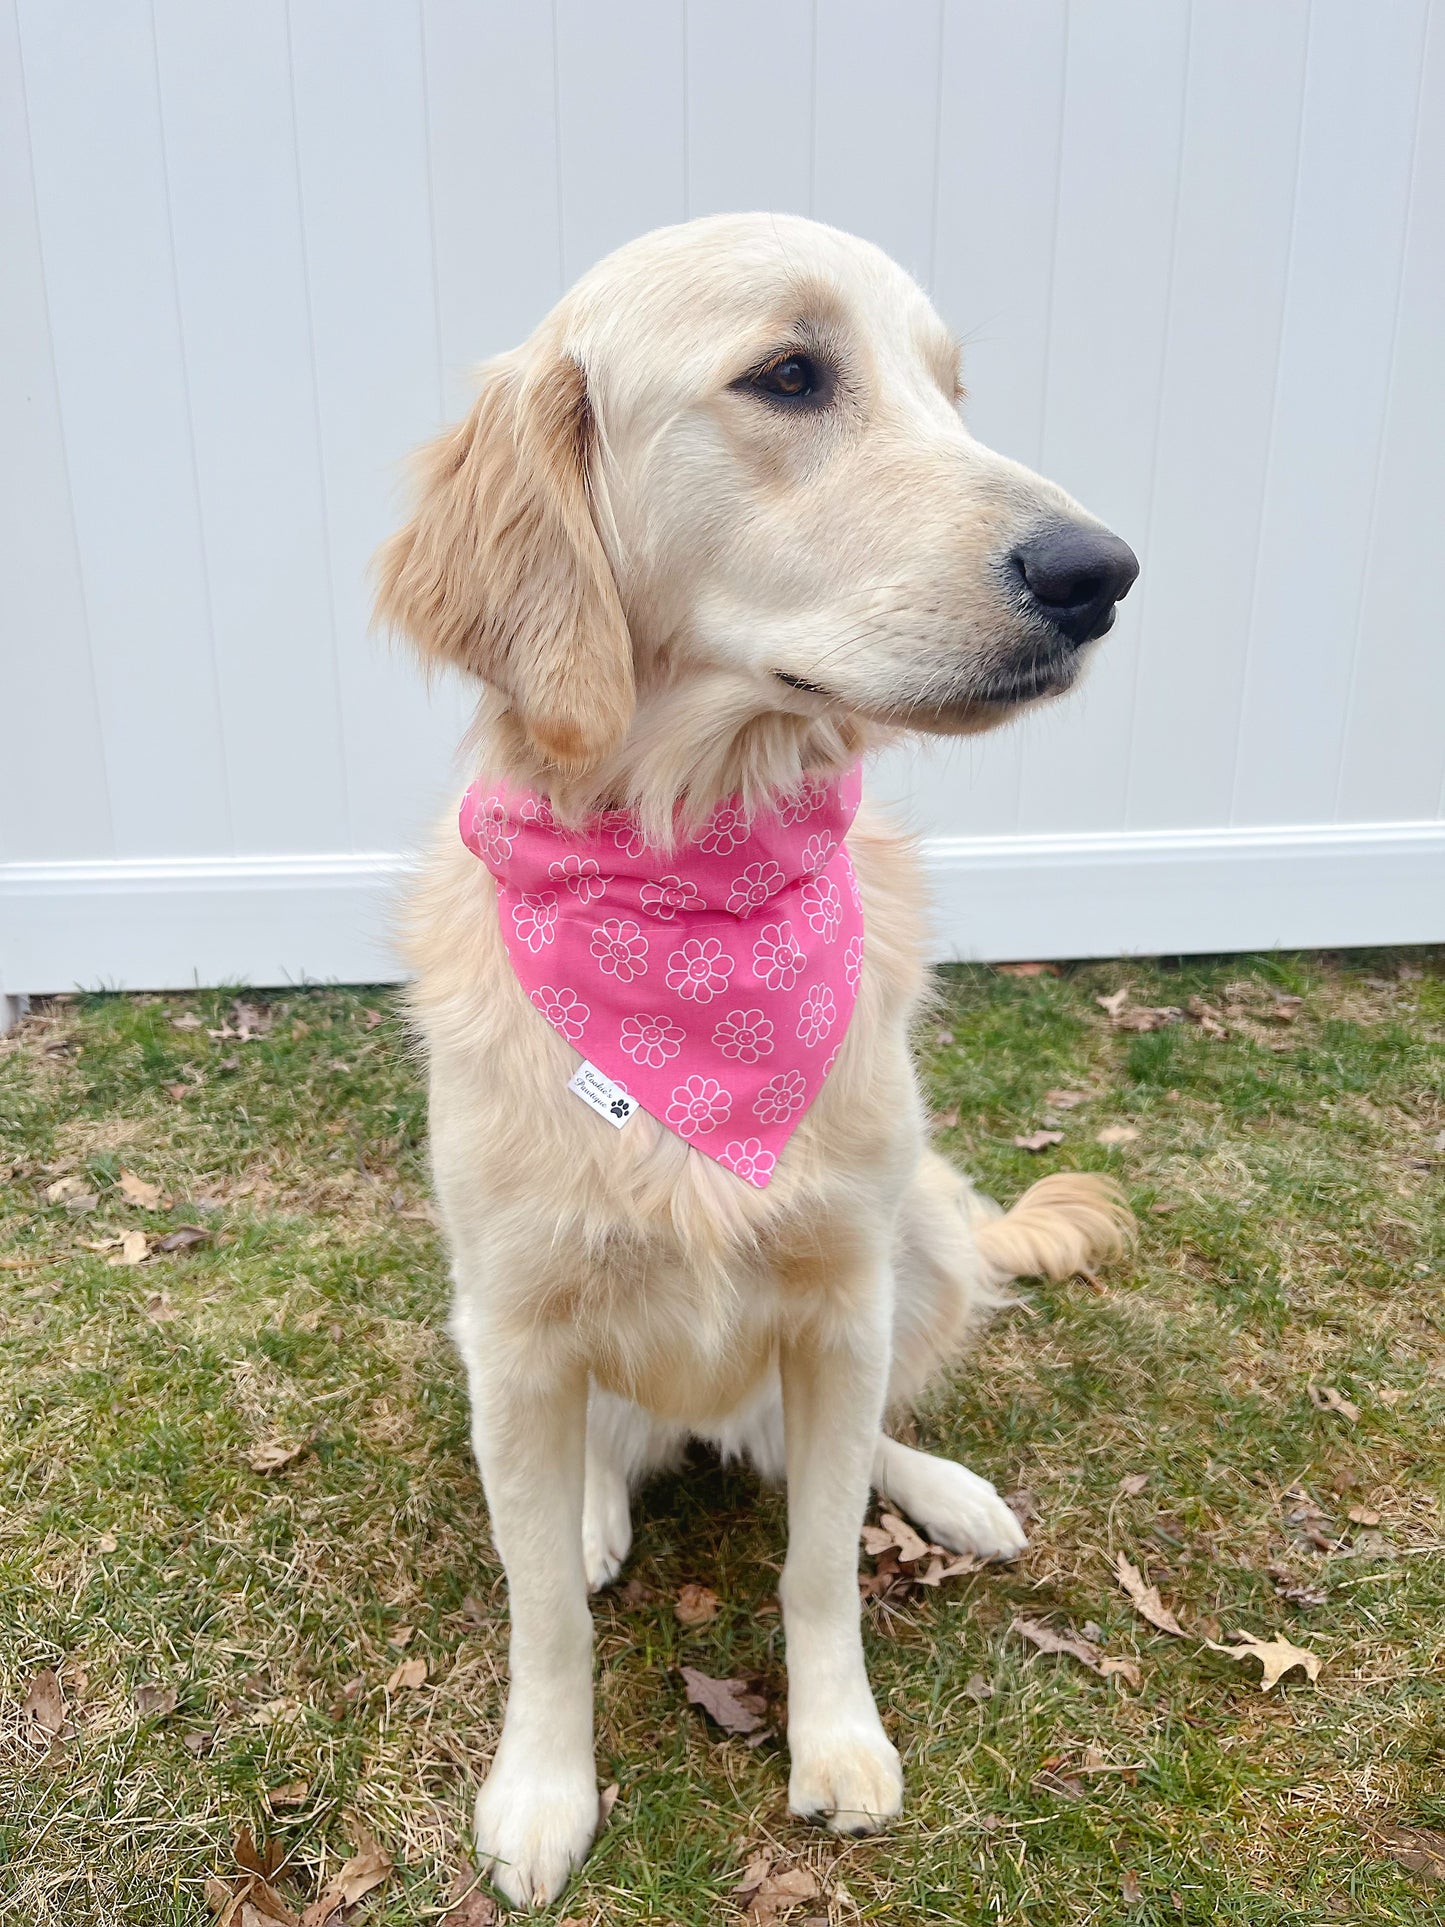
957 1509
848 1777
534 1825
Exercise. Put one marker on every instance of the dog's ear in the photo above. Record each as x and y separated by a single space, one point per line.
501 571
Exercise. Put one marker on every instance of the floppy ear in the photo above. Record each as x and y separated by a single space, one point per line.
501 571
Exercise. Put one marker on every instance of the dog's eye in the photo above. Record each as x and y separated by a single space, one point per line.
796 378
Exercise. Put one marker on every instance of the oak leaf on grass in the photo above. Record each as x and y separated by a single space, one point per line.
366 1868
1277 1656
1147 1602
733 1703
1086 1651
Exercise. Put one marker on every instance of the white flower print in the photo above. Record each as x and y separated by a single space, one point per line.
623 828
700 970
805 801
725 829
822 906
781 1097
651 1040
817 1015
581 874
620 949
492 831
744 1036
853 961
778 956
757 885
698 1106
853 890
536 812
534 918
669 895
563 1009
747 1157
818 852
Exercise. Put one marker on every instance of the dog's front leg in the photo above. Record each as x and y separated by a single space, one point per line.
844 1769
537 1813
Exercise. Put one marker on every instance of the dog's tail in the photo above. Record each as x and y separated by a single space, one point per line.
1067 1222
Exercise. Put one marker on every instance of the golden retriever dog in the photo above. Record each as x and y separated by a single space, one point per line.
717 529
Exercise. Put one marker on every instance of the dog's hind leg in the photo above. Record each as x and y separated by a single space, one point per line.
624 1445
956 1252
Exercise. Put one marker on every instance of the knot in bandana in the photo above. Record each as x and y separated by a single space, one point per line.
712 982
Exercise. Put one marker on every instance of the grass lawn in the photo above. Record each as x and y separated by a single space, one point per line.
1288 1178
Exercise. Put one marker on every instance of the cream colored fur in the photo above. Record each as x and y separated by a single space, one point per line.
625 542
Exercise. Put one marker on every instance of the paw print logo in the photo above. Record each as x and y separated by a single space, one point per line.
621 1107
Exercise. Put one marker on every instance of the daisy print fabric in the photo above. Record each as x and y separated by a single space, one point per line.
713 981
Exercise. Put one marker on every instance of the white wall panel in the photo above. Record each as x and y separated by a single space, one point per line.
1362 95
1113 257
360 93
749 104
1238 171
50 806
229 133
1194 250
102 191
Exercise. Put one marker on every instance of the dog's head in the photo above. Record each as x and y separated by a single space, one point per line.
731 463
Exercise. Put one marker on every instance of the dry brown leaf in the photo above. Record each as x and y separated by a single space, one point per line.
470 1906
1295 1590
1146 1599
248 1899
183 1237
1065 1100
606 1800
1117 1134
978 1688
187 1021
945 1120
1130 1891
43 1710
295 1793
734 1703
1363 1515
371 1018
696 1605
107 1542
155 1702
135 1248
946 1565
402 1637
159 1308
1149 1017
1209 1020
911 1545
139 1190
64 1188
1131 1487
1419 1850
1114 1002
271 1455
1277 1656
178 1091
1038 1140
1027 969
1084 1650
366 1868
1327 1398
767 1891
411 1673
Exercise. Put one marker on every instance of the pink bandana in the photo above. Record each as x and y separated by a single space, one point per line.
713 982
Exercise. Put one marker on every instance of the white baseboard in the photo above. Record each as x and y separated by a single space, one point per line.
174 923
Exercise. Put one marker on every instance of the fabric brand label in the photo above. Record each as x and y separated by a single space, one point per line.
598 1092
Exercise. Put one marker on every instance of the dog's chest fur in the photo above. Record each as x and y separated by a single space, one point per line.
665 1274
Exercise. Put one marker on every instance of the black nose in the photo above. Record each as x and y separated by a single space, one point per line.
1074 575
